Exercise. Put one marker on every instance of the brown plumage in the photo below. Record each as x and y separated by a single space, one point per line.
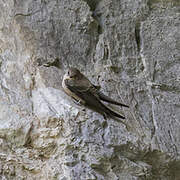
76 85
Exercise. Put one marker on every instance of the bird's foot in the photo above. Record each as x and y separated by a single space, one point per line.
105 116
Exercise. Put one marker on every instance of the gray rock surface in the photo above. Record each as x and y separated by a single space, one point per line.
130 48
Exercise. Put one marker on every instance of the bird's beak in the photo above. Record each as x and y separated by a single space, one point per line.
68 77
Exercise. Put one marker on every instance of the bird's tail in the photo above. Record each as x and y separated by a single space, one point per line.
110 112
109 100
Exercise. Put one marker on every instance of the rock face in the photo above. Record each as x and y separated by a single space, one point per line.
130 48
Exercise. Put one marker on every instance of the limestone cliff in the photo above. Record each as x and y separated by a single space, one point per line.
129 48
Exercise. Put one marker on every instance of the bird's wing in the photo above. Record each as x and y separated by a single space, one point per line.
81 90
87 94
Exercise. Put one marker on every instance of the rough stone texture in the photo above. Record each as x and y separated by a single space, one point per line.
130 48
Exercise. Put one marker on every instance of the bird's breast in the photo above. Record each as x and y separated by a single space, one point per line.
70 93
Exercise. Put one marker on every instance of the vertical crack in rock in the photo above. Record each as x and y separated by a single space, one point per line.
137 36
93 5
153 114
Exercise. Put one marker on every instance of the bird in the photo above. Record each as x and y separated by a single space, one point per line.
83 92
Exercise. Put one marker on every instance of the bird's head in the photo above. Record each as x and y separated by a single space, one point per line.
73 73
